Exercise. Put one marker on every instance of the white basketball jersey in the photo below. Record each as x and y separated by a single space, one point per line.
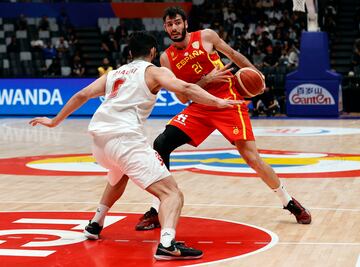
128 101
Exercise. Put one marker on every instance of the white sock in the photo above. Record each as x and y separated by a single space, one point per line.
155 203
283 194
166 235
100 214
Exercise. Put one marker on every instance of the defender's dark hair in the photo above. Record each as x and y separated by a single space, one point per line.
172 11
140 43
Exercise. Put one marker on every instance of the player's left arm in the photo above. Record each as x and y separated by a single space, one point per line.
220 45
95 89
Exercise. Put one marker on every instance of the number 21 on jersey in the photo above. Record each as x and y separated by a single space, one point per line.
197 67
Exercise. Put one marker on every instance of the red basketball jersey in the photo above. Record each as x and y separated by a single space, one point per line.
193 62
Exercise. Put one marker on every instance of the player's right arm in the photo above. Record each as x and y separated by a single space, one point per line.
157 78
95 89
164 61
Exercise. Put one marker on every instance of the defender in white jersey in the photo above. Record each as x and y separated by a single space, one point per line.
119 141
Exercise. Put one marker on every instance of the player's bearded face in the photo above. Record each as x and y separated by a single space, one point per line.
176 28
178 38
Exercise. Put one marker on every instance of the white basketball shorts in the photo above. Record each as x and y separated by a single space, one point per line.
134 157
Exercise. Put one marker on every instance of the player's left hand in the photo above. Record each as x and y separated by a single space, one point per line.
43 121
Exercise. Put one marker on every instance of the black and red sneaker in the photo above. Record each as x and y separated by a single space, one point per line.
92 230
148 221
177 251
301 214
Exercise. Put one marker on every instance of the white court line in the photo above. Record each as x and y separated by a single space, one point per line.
187 204
358 262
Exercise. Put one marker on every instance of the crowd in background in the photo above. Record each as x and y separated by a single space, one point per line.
267 32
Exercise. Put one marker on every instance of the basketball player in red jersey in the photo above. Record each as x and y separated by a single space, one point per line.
193 57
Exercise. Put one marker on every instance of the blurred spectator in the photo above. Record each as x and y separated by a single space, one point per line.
258 58
105 67
261 28
63 22
13 46
49 51
109 43
267 3
265 40
62 45
55 68
270 59
293 57
44 24
121 32
74 45
78 68
21 23
355 59
277 48
37 45
265 103
284 58
330 25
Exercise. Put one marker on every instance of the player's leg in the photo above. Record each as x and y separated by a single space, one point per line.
171 203
164 144
115 187
110 195
168 141
235 126
144 167
249 153
186 127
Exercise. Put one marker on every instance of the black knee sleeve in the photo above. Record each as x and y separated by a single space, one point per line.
169 140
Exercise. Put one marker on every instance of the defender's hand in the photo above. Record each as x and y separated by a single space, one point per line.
43 121
228 103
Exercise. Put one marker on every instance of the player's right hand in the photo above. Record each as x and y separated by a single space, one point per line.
43 121
218 75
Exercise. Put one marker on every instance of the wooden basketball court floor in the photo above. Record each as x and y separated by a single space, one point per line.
332 239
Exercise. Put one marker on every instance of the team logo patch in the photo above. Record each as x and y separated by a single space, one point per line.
196 45
55 239
214 161
301 131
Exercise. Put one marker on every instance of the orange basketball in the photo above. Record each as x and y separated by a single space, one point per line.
251 82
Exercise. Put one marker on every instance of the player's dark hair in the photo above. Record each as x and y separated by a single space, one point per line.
140 43
172 11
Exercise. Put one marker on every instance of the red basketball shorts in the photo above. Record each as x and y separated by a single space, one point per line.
234 124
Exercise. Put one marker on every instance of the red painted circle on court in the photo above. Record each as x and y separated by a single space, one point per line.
56 239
